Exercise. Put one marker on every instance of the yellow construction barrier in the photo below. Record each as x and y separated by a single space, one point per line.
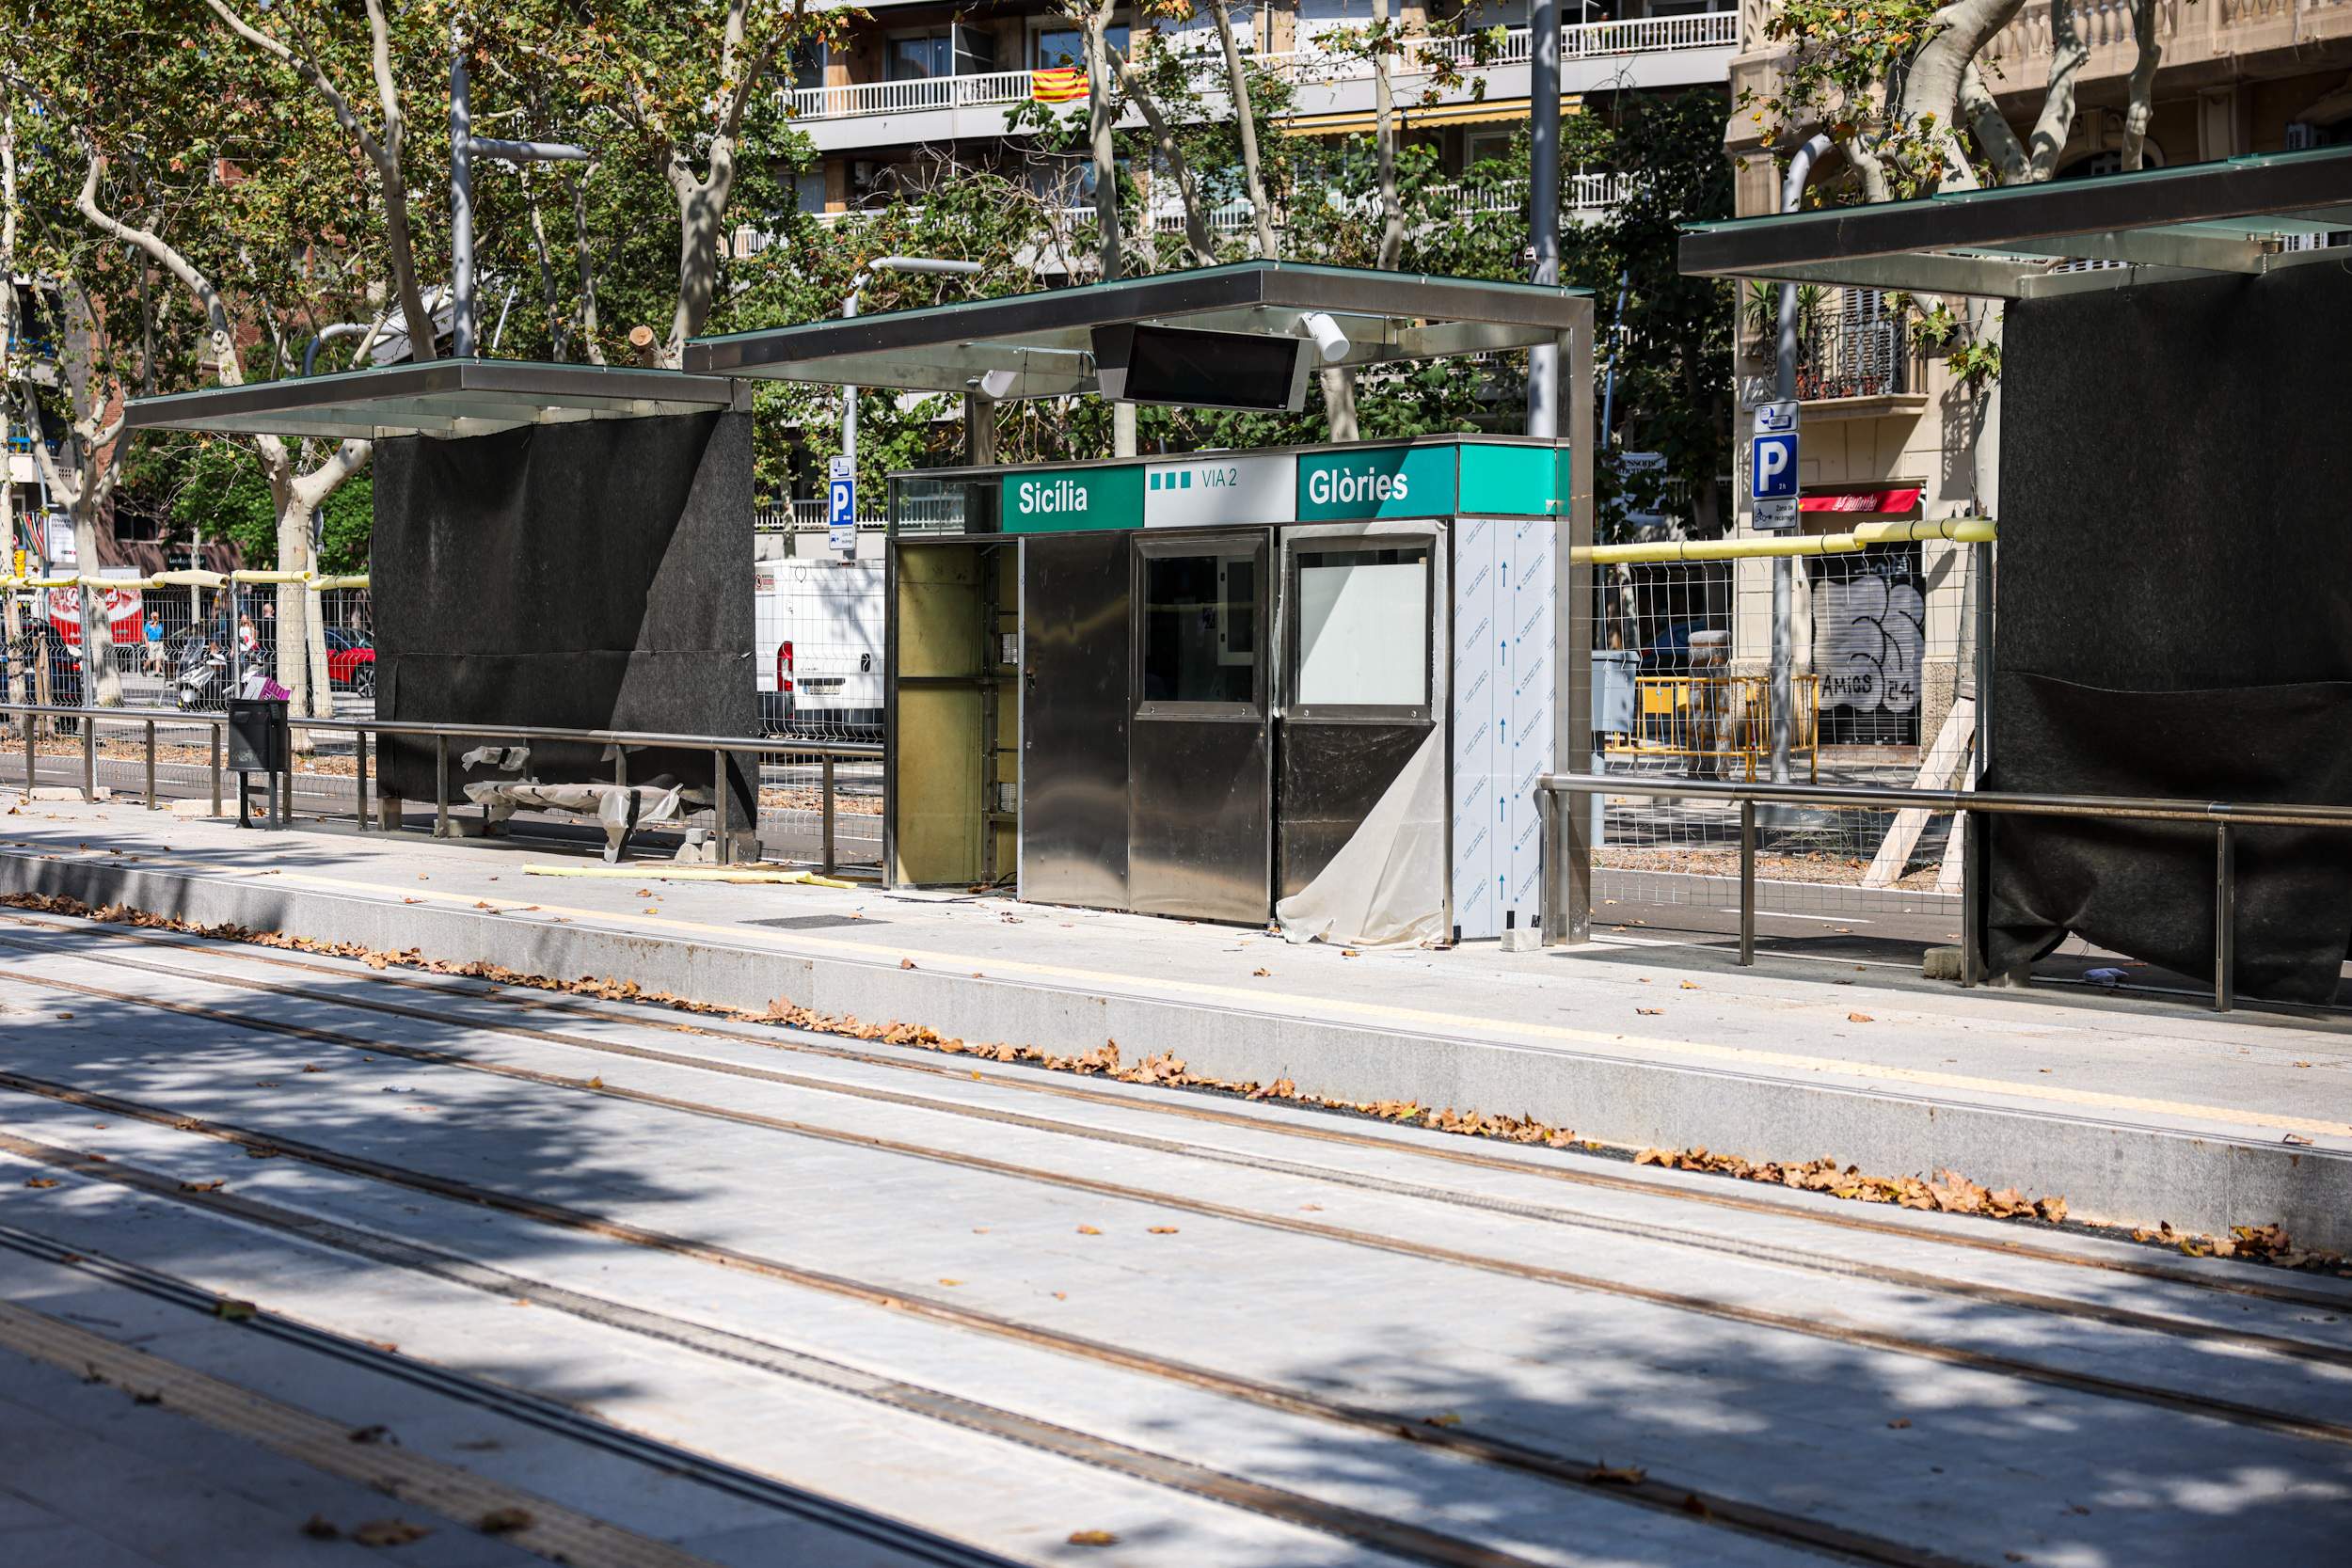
689 874
189 579
1718 722
1959 531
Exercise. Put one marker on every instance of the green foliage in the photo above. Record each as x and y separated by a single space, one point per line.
1847 65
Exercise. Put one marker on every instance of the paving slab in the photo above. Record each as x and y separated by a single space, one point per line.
2135 1110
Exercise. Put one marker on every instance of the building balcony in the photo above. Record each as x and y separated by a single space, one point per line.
1665 50
1589 197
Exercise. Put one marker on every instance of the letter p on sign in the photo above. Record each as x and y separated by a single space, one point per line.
1775 473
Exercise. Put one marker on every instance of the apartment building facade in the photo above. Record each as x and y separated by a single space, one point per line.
920 79
1887 431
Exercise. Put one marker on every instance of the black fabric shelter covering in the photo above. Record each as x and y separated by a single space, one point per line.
2175 618
588 576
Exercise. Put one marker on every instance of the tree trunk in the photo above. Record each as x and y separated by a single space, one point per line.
2141 106
1246 124
102 683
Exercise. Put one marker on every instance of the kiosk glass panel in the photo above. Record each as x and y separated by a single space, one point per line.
1200 629
1362 615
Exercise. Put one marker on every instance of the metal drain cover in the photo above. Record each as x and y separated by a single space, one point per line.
816 921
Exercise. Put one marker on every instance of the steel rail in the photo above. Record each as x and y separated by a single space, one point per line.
1594 1475
2279 1422
1393 1537
2224 816
1785 1256
550 1416
1035 1080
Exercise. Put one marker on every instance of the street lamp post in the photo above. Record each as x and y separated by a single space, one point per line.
848 311
1542 205
464 147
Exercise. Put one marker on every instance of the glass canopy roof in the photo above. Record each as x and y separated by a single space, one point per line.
2244 216
1045 341
443 397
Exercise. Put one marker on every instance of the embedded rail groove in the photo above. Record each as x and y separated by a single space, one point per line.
2119 1317
803 1043
1593 1476
1391 1536
2281 1422
576 1538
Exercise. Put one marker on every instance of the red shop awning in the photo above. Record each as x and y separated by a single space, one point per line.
1864 501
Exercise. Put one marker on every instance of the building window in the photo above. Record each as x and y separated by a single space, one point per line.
1051 47
806 64
915 57
1200 629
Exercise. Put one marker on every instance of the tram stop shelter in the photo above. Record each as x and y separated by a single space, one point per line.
2175 593
555 546
1314 685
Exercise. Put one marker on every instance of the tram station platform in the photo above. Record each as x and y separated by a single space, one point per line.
2136 1109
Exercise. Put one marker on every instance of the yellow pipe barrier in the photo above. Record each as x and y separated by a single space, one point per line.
189 580
1959 531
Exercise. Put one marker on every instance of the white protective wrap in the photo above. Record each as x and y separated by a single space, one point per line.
1387 885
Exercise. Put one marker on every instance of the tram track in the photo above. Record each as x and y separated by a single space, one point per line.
2244 1283
1392 1537
2180 1400
2104 1314
579 1539
1629 1485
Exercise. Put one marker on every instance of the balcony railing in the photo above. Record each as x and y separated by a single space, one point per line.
1589 194
1578 42
1861 351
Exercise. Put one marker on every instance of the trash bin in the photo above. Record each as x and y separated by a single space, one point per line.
258 741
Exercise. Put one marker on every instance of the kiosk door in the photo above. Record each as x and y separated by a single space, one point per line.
1360 686
1200 772
1074 719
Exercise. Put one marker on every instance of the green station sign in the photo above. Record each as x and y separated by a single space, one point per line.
1437 478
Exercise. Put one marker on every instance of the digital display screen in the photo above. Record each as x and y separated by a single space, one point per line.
1206 369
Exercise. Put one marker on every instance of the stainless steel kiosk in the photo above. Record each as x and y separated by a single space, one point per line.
1312 684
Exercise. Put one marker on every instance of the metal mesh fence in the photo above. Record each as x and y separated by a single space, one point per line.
1881 692
818 630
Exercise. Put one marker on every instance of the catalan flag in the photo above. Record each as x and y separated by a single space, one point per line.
1060 85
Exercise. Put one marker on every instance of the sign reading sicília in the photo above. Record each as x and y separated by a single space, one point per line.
1048 500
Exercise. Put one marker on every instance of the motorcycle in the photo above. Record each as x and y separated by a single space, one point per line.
202 680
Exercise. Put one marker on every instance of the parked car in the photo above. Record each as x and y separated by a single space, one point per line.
350 662
821 639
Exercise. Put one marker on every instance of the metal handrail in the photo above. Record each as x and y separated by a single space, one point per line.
720 746
2226 818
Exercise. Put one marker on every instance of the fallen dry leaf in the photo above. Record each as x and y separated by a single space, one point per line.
378 1433
215 1185
1088 1230
596 1083
388 1532
318 1527
906 963
1443 1418
1859 1018
1092 1538
1690 985
1260 973
1651 1011
1900 1423
41 1181
1349 953
951 1281
505 1521
2297 1138
1617 1475
234 1311
1162 1229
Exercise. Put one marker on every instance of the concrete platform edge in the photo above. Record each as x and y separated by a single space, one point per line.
2105 1170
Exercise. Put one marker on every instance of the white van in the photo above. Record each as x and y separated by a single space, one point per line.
819 647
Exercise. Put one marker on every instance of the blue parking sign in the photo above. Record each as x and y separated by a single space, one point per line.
1775 475
841 506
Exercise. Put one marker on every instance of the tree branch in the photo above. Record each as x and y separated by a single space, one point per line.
1197 237
2001 148
2141 106
2069 53
1245 123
